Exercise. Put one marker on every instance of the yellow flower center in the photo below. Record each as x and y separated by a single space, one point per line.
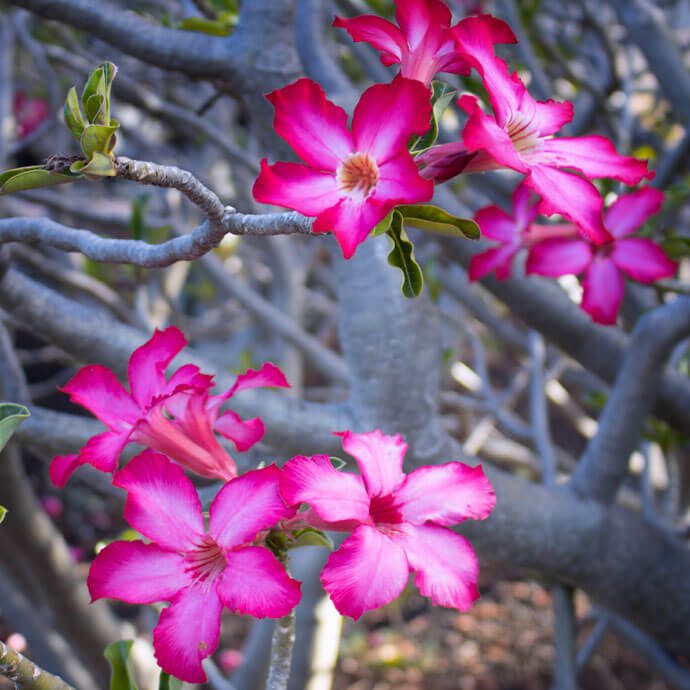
358 174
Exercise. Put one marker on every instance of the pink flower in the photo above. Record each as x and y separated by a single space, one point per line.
29 113
604 265
175 416
399 521
351 180
424 44
198 571
519 136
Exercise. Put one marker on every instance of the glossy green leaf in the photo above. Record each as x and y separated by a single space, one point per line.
434 219
309 536
99 166
381 228
3 513
11 416
73 116
98 139
442 97
168 682
402 256
95 86
94 109
121 672
31 177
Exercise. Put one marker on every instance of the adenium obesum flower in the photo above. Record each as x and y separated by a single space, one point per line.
176 416
198 571
424 44
399 522
518 135
29 113
351 180
604 265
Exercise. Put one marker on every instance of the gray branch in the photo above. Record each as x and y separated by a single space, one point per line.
25 674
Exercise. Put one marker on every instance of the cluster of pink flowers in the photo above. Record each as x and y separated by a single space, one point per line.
399 522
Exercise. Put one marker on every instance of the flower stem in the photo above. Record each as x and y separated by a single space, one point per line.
282 643
25 674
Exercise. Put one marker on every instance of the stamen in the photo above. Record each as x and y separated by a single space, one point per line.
206 561
358 174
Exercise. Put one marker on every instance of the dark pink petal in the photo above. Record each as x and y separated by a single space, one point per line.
525 205
603 288
148 363
297 187
246 505
368 570
137 573
400 182
558 257
314 127
334 496
630 211
98 390
188 632
446 494
570 196
417 17
256 584
497 259
642 259
187 377
380 459
550 116
269 375
445 565
162 503
103 451
62 467
243 433
380 33
496 224
593 156
407 106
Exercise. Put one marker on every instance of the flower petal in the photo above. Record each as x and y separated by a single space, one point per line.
162 503
381 34
62 467
642 259
445 565
368 570
268 375
103 451
417 18
630 211
137 573
380 459
314 127
444 161
400 182
603 288
188 632
496 224
246 505
558 257
497 259
256 584
550 116
525 205
446 494
243 433
334 496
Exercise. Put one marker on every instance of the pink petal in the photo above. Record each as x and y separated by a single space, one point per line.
137 573
148 363
525 206
642 259
444 161
496 224
186 377
297 187
558 257
603 288
380 459
246 505
550 116
334 496
417 17
62 467
268 375
445 565
98 390
103 451
630 211
243 433
593 156
382 34
368 570
446 494
400 182
256 584
314 127
162 503
407 106
188 632
497 259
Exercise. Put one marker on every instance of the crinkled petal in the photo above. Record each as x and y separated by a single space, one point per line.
445 565
188 632
137 573
246 505
269 375
244 433
297 187
256 584
62 467
558 257
407 107
630 211
187 377
162 503
314 127
642 259
400 182
603 288
334 496
446 494
368 570
103 451
499 259
380 459
381 34
496 224
98 390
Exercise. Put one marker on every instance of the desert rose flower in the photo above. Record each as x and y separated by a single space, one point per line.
423 44
604 265
399 522
29 113
176 416
351 179
198 571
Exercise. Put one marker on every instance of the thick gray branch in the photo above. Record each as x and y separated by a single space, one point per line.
25 674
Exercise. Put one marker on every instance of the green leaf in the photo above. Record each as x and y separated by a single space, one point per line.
310 536
121 674
434 219
32 177
676 247
95 97
98 139
381 228
99 166
73 116
402 256
11 416
338 463
95 86
168 682
95 107
213 27
442 97
3 513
